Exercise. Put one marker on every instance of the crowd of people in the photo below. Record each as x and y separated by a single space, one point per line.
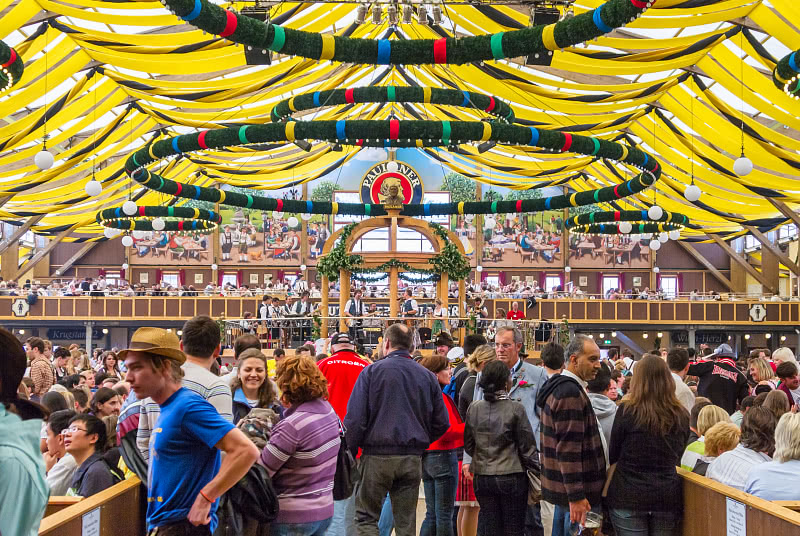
501 443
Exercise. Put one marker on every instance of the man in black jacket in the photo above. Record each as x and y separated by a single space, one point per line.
395 412
720 380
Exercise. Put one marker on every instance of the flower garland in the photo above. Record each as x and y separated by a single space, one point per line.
632 216
786 75
393 133
11 67
541 39
466 99
190 219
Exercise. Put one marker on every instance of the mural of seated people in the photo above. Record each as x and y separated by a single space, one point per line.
318 231
256 237
608 251
167 248
522 240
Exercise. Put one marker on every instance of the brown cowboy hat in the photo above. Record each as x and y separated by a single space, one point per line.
156 341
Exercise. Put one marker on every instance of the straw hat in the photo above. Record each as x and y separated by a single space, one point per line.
156 341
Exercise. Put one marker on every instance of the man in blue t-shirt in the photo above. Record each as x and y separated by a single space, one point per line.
185 478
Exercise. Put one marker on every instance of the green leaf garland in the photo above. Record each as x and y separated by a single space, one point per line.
11 67
786 75
177 219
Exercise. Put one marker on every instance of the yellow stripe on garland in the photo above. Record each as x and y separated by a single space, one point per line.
291 105
328 47
549 38
624 152
334 208
426 94
574 202
290 130
461 207
418 143
150 150
487 132
221 196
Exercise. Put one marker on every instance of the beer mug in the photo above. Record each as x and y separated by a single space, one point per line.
594 522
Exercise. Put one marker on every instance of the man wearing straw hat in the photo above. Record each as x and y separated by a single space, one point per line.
186 475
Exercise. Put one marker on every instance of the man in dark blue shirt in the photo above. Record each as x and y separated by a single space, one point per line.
395 412
185 477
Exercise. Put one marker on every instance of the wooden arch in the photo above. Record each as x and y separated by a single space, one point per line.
393 221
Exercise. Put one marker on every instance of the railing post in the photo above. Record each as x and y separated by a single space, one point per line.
89 325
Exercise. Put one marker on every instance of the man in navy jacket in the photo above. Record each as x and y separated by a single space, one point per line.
395 412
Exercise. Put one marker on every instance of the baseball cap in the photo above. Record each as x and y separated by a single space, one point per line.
341 338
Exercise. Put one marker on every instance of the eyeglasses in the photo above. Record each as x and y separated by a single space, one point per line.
505 344
72 430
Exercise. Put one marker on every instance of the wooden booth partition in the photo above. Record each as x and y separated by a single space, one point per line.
119 510
708 506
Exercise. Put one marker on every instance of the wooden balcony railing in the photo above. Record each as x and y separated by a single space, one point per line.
174 308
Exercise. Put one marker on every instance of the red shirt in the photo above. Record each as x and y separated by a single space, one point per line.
341 370
453 438
515 315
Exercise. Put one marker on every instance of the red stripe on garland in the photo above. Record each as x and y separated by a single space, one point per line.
201 140
230 24
491 105
359 143
519 205
12 58
348 96
280 205
440 50
180 225
394 129
639 4
180 188
567 142
616 215
141 211
616 193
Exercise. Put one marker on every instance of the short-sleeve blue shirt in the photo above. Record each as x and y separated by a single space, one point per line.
183 457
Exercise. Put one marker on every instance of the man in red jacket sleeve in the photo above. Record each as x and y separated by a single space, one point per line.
341 370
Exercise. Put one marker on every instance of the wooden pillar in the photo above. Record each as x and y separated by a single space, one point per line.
324 306
9 261
462 310
344 295
304 253
444 284
478 229
393 306
653 277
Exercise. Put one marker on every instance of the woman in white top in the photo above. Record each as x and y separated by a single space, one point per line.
777 480
755 447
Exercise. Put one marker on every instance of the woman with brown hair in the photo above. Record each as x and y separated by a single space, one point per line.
777 403
762 374
301 454
756 445
645 495
251 388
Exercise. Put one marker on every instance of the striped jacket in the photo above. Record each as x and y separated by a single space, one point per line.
301 459
573 460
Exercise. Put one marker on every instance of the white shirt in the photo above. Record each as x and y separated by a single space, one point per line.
684 394
731 468
774 481
796 395
60 475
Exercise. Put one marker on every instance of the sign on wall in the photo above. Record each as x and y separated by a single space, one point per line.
72 334
381 177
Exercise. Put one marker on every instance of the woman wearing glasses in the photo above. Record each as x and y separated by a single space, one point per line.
86 441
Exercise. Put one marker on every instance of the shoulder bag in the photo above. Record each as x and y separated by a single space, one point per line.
344 481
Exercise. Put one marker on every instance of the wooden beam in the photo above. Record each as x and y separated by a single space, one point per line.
21 230
87 247
785 210
41 254
785 260
743 262
710 267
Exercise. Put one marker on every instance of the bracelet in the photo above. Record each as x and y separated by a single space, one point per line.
206 497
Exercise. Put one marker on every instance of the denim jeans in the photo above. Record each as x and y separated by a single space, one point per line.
343 521
440 479
504 501
315 528
561 522
386 521
643 523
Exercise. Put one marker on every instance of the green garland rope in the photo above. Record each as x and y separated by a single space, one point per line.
393 133
11 67
541 39
189 219
641 228
786 75
452 97
632 216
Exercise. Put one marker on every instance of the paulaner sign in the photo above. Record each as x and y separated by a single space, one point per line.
381 177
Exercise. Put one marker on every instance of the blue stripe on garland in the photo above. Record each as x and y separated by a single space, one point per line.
792 63
534 136
598 21
465 102
175 145
384 51
309 206
316 100
195 12
340 129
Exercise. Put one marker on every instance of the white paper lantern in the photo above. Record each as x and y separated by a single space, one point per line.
479 268
742 166
138 235
292 221
276 214
127 241
108 232
655 245
93 188
674 234
647 236
625 227
568 269
656 269
214 266
125 266
43 159
129 207
663 238
655 212
303 267
489 222
306 216
692 193
392 166
158 224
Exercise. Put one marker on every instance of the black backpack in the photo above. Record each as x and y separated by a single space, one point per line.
253 497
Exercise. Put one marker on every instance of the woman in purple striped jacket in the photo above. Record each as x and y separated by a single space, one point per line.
301 453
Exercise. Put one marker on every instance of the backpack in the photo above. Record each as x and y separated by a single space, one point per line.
450 388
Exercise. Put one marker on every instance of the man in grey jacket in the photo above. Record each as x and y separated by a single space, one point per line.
604 408
526 380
